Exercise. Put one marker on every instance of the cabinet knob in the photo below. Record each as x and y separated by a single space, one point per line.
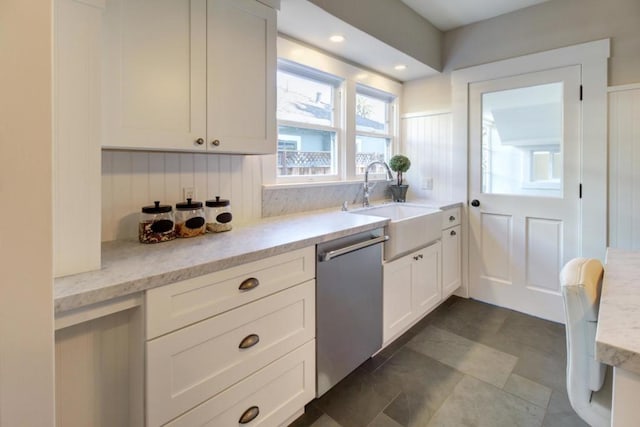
452 218
249 415
475 203
215 142
248 284
453 232
200 141
249 341
420 256
415 258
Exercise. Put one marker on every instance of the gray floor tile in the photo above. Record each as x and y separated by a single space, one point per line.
560 413
311 415
467 356
382 420
475 403
545 336
466 316
404 385
543 369
358 399
424 383
325 421
563 420
528 390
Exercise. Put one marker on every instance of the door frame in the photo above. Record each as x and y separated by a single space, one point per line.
593 59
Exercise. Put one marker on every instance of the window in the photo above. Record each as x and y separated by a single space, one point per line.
374 128
308 127
331 125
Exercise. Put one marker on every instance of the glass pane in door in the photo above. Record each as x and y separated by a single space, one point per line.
522 141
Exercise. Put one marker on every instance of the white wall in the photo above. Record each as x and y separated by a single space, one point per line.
549 25
132 179
624 174
26 301
427 142
545 26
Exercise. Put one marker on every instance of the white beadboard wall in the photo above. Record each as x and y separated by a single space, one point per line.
132 179
428 144
624 170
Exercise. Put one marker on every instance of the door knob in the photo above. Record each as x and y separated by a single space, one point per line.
475 203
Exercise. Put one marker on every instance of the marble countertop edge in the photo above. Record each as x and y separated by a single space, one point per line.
129 267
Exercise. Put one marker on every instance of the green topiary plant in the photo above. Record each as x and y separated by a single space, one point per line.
399 164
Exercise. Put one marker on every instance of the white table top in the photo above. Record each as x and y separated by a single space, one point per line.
618 334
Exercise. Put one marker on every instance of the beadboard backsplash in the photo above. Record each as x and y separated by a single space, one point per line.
428 143
132 179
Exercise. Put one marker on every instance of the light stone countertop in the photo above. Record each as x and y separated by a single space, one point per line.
618 333
129 267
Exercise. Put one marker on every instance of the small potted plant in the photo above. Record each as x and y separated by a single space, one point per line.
399 164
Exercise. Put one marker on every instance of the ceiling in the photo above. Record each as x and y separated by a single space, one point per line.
449 14
309 23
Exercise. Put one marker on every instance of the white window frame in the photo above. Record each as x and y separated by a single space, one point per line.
294 52
308 73
392 117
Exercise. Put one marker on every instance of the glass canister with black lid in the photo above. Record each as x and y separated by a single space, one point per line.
156 224
190 220
218 215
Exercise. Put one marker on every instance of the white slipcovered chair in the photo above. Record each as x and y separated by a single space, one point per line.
588 381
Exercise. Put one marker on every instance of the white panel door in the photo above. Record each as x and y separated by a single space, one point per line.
524 187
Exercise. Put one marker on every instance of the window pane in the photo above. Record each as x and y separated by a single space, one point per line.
369 149
304 100
372 114
522 141
306 152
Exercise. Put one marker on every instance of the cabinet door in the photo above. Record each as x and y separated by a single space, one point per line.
451 260
241 73
397 313
426 279
154 75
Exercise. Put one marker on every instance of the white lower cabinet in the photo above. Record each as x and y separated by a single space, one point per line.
451 251
266 398
412 287
252 360
451 260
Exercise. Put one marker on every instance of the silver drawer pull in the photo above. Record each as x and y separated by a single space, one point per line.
248 284
249 415
452 218
453 232
249 341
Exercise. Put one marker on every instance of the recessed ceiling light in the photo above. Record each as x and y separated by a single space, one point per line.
336 39
400 67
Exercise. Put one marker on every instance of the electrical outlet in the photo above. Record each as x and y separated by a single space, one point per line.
189 193
427 183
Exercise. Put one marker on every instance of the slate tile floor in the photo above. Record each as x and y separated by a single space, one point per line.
466 364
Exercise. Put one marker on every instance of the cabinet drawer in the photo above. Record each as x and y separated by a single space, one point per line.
450 217
189 366
183 303
278 391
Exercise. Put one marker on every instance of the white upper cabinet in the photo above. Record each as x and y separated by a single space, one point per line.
190 75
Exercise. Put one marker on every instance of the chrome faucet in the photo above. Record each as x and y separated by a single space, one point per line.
365 198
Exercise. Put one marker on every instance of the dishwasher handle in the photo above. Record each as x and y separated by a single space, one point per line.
327 256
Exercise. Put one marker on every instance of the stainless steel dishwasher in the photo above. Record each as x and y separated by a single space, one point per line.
348 305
